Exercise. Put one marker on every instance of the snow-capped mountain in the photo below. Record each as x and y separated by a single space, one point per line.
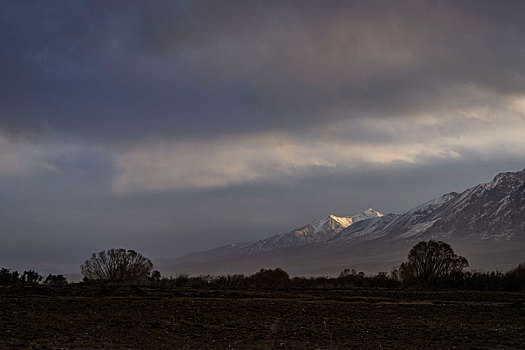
491 211
317 231
320 230
486 223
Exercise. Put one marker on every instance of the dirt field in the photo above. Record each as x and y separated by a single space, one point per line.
138 318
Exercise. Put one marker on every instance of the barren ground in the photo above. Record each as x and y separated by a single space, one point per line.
137 317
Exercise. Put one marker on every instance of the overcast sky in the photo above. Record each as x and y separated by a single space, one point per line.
174 126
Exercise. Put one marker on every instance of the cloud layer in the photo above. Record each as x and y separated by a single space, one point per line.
187 69
269 157
121 120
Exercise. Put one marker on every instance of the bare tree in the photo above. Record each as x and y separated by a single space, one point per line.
430 260
116 265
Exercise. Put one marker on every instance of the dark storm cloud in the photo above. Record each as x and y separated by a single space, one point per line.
173 126
137 69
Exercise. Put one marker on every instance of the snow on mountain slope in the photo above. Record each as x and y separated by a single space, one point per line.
338 223
491 211
410 224
486 221
318 231
494 210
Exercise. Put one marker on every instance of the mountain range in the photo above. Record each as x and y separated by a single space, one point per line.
485 223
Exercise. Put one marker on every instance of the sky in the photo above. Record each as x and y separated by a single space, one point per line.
174 126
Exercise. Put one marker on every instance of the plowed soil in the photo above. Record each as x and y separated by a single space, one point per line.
143 318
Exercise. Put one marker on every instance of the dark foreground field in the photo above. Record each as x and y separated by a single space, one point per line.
136 318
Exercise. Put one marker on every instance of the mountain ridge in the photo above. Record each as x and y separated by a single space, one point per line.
488 217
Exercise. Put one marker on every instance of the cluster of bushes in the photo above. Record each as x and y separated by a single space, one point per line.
279 279
513 280
274 279
30 277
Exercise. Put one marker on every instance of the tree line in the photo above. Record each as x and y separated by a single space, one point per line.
513 280
29 278
429 265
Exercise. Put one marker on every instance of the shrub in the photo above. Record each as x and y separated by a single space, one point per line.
8 278
55 280
31 277
116 265
270 279
430 261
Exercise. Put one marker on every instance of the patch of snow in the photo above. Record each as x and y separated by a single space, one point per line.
367 214
503 202
319 224
435 202
418 229
339 223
